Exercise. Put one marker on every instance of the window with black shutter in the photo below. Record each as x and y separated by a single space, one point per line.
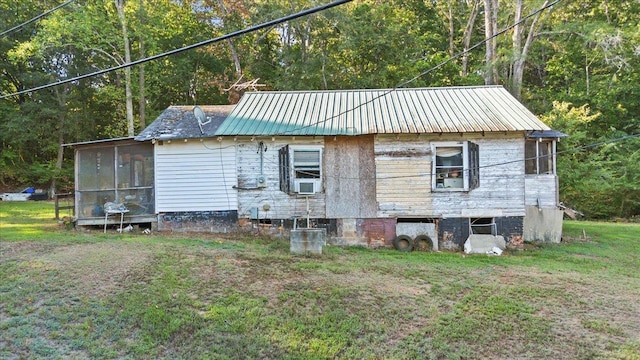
284 166
474 165
301 169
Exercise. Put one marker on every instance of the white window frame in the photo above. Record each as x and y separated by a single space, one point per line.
437 181
317 187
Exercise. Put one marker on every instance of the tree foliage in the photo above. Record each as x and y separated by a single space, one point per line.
575 64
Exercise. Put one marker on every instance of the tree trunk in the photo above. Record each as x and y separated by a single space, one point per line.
466 36
232 49
452 30
235 58
490 47
517 62
142 102
520 51
127 71
61 97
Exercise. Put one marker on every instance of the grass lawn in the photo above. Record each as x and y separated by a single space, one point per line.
79 294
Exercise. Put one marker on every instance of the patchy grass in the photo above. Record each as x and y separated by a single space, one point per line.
76 294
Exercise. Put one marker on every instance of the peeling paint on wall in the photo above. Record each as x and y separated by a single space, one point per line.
199 221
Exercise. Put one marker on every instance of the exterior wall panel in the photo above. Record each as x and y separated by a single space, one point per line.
270 202
195 176
350 174
541 190
403 184
501 190
403 178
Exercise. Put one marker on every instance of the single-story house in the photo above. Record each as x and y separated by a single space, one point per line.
370 165
437 164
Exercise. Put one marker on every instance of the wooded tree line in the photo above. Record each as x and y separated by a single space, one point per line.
575 64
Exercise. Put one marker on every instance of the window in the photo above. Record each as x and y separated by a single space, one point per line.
456 166
485 226
539 157
300 169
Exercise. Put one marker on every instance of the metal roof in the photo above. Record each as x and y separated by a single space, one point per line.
92 142
380 111
546 134
179 122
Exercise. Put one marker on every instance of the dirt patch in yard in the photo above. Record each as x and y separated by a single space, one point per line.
96 269
17 250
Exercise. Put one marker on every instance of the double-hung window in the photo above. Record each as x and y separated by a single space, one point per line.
455 166
301 169
539 157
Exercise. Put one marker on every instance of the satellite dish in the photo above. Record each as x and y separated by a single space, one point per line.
201 117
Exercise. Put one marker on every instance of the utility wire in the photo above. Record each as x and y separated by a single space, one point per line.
433 68
443 63
507 176
187 48
35 18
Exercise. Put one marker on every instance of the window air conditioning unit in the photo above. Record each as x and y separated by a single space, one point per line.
306 187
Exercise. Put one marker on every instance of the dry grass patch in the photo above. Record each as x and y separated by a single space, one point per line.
97 269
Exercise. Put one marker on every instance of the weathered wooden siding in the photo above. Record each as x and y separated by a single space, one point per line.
501 190
541 190
403 184
350 185
280 205
195 176
401 179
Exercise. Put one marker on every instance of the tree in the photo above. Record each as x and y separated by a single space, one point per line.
522 43
127 70
490 29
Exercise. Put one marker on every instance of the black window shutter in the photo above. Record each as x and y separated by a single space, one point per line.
474 166
285 177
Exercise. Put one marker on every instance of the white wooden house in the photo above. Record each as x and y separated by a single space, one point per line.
195 172
370 165
436 164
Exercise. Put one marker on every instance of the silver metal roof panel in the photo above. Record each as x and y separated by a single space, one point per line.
380 111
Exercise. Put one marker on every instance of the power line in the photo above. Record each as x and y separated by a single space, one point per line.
480 43
187 48
439 65
35 18
507 176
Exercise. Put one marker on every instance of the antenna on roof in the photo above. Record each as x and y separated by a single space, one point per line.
201 117
238 86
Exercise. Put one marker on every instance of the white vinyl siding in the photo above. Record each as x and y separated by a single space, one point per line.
196 176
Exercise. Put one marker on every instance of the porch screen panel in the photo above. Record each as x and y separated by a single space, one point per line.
96 169
135 178
96 181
